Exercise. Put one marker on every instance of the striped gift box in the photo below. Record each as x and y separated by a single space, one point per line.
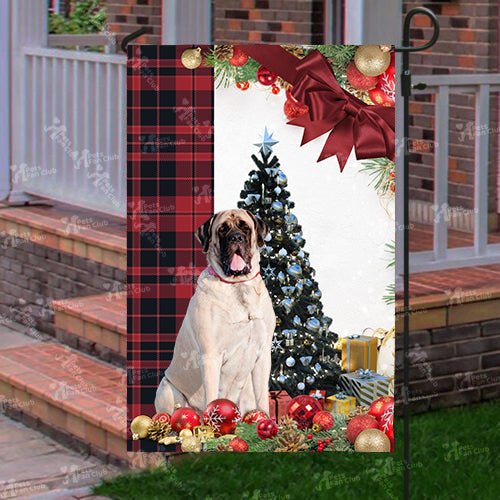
364 385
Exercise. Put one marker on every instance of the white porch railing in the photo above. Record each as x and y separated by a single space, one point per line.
68 118
442 257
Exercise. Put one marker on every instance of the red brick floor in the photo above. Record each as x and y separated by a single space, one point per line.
421 238
451 281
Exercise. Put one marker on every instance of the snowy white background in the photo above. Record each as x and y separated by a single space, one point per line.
342 219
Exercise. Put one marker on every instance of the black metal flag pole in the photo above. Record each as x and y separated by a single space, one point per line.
406 87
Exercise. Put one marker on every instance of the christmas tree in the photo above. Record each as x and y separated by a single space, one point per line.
303 353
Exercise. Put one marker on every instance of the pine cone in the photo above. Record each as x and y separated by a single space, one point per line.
293 49
291 442
362 95
158 430
287 424
223 447
359 410
223 52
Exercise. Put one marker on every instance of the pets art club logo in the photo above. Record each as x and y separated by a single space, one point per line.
456 451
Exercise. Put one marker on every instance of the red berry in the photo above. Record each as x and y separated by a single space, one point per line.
275 89
309 436
393 187
328 441
319 443
392 174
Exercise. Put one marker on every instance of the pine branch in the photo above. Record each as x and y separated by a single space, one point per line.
390 248
390 297
380 170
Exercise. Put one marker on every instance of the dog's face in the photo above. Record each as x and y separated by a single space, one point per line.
232 239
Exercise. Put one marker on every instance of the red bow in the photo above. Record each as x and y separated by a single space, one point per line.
370 129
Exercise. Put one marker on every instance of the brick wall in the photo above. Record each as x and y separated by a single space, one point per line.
127 16
451 366
468 43
31 276
268 21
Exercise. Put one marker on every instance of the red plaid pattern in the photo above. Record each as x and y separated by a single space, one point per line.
170 112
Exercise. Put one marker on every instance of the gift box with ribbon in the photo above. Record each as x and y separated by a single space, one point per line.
340 403
278 401
359 351
365 385
320 396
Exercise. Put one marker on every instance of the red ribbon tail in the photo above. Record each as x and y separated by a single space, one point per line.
339 142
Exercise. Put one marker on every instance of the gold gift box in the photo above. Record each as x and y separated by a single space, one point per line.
343 405
359 351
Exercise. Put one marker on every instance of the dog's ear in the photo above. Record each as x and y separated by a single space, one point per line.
204 234
261 228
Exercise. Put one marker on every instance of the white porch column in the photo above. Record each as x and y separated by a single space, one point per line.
28 27
370 22
4 100
186 21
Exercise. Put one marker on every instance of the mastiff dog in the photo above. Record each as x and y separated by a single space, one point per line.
223 349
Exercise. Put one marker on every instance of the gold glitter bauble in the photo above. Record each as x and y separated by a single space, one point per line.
370 60
372 440
192 444
140 426
185 433
191 58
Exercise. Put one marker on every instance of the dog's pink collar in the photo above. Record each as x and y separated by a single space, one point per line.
213 272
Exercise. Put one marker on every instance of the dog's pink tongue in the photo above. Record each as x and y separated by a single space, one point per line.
237 264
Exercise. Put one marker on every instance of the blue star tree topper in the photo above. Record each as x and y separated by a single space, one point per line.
266 146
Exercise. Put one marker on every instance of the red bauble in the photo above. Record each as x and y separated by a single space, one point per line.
275 90
378 96
386 424
293 108
358 80
164 418
387 81
184 418
302 409
222 415
238 444
239 58
254 416
325 419
266 77
242 85
267 428
379 406
359 424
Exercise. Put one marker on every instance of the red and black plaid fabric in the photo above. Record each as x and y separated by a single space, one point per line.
170 113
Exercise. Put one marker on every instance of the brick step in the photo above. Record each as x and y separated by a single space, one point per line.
71 230
95 324
70 393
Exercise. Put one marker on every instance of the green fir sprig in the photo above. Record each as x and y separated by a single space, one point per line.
226 74
248 432
380 170
390 294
